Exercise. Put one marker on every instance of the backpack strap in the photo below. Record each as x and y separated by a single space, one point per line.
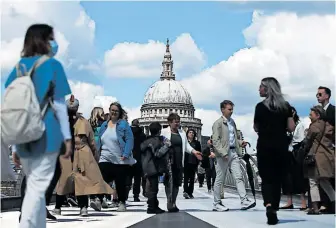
18 69
37 64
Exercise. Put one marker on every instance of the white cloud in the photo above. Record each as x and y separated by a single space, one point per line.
144 59
133 113
90 96
73 29
299 51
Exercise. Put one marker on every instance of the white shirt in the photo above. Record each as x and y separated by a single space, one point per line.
298 134
232 139
326 106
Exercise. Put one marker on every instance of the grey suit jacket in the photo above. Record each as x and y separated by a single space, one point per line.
220 138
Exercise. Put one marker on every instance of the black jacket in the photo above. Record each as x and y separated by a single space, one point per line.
139 137
191 158
330 113
206 161
154 156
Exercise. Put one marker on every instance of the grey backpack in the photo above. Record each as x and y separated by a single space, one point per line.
21 115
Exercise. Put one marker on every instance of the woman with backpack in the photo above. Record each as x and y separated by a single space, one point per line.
48 88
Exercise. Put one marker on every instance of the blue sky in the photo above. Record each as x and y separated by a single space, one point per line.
216 28
216 31
221 50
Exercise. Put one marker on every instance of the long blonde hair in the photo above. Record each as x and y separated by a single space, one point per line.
274 98
97 114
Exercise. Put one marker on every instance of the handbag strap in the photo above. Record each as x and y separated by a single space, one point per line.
319 142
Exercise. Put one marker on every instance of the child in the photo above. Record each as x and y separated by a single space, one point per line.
154 152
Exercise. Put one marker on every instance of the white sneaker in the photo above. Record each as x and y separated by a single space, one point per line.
219 207
96 204
122 207
247 204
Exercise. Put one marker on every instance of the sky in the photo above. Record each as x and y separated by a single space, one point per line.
221 50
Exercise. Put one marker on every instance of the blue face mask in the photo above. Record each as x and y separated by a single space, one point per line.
54 47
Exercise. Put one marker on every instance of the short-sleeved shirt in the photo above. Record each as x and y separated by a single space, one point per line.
51 70
272 126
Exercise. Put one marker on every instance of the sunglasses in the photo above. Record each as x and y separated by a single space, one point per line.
319 95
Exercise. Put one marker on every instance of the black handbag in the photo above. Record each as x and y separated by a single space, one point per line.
309 160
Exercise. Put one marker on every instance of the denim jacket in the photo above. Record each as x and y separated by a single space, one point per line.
124 135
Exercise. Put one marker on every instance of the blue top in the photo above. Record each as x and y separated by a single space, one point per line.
51 70
96 135
124 135
110 149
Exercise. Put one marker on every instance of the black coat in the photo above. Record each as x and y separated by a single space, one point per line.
191 158
139 137
154 156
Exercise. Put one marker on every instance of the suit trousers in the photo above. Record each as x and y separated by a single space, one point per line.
223 167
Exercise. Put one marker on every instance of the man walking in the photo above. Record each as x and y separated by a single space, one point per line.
136 172
226 148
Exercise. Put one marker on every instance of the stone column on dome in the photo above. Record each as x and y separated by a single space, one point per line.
199 135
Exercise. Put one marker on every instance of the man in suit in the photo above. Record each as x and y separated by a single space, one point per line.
226 147
323 97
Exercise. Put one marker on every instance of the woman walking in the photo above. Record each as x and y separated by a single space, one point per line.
319 164
179 146
272 120
86 175
295 183
39 158
115 146
190 165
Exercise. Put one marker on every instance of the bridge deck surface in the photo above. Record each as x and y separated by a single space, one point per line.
195 213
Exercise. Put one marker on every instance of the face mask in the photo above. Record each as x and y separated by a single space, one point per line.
54 47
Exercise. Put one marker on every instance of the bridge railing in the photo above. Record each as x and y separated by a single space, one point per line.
230 181
12 188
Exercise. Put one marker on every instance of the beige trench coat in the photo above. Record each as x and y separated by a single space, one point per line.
83 176
324 153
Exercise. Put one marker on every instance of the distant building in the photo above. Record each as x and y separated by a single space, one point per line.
166 96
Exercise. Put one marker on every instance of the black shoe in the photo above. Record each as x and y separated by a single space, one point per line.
173 210
72 202
272 218
287 207
50 216
136 199
155 210
191 196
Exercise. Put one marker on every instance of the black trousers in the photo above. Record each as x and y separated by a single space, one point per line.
200 178
272 170
210 177
189 177
139 180
173 183
152 191
83 201
119 174
51 188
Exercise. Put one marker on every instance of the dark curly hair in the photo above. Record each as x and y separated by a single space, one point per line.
189 130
